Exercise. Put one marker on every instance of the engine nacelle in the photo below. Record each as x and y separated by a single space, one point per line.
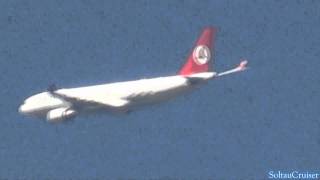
60 114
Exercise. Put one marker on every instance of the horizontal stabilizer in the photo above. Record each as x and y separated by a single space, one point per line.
200 77
241 67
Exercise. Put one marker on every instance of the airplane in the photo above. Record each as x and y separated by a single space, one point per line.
59 105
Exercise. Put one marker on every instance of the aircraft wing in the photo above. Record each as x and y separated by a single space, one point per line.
79 101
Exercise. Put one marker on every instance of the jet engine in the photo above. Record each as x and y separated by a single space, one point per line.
60 114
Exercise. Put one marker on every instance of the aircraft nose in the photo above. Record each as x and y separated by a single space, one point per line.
23 109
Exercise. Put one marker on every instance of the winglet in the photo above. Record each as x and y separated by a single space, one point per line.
52 88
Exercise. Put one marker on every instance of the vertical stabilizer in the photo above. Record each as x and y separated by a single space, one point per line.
201 56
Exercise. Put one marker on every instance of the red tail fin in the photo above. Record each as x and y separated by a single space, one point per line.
199 59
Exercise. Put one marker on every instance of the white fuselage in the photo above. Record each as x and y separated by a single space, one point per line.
138 93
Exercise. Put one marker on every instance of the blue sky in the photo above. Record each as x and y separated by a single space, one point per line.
237 127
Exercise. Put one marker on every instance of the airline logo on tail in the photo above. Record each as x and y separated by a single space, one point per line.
201 55
200 58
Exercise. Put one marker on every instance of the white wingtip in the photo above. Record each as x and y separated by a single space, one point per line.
243 65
